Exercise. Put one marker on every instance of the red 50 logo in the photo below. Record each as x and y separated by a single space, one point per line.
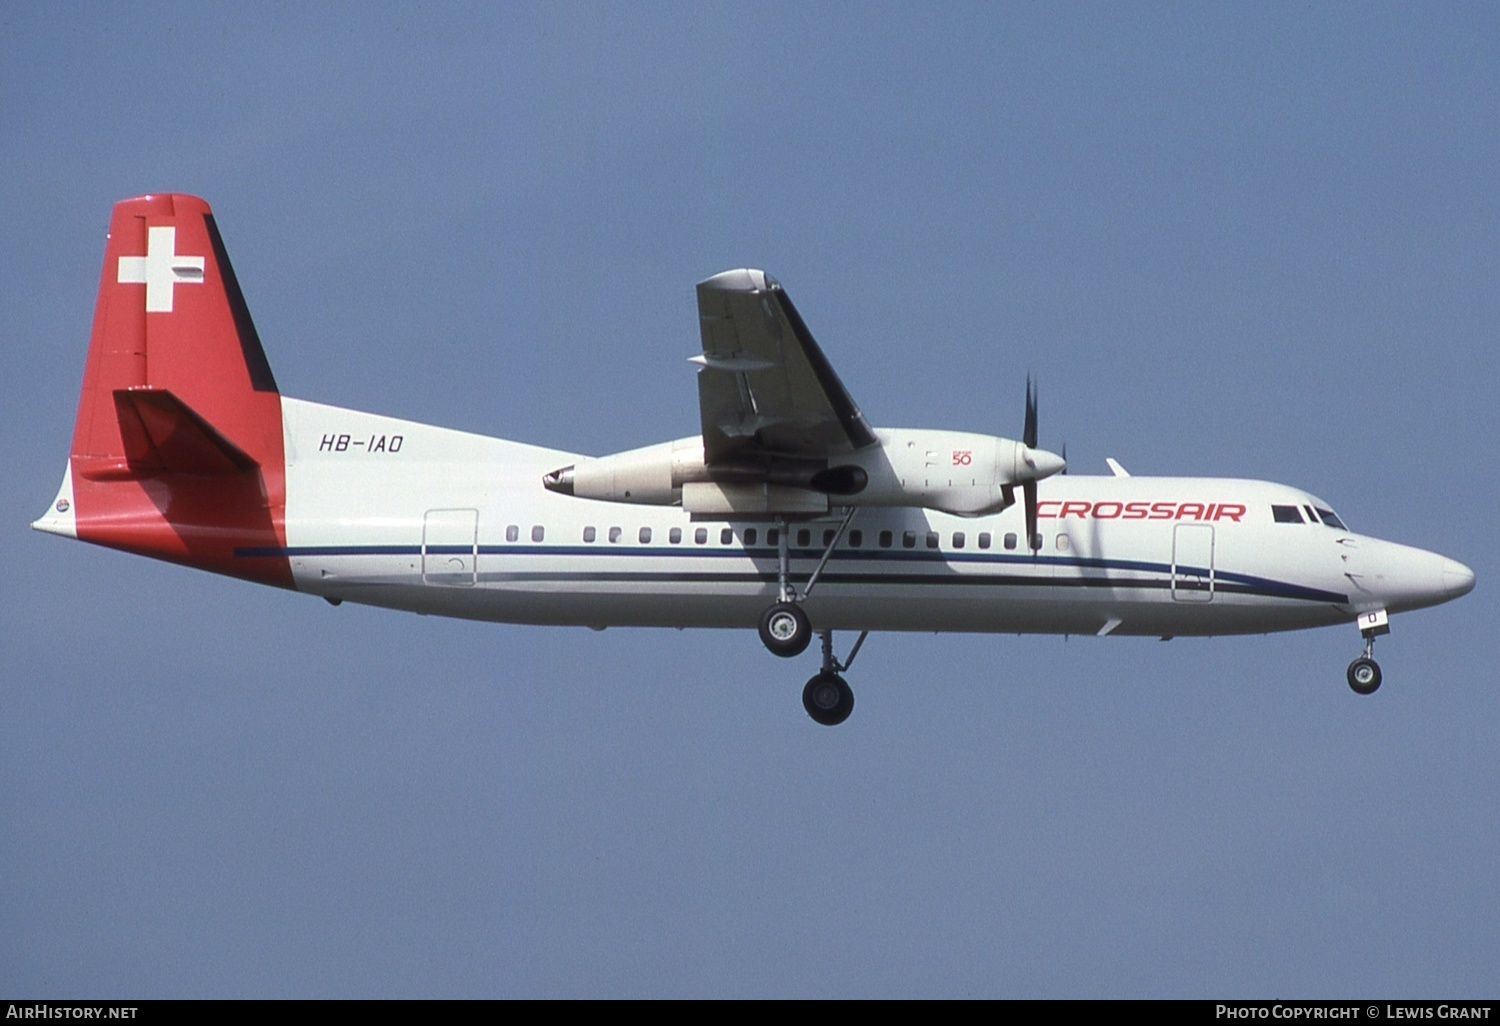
962 457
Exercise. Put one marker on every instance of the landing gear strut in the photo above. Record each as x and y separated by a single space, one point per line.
1364 673
827 697
784 628
786 631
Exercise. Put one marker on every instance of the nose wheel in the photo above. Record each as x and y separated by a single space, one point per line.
1364 673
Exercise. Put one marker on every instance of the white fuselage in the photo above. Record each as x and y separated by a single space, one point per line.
409 516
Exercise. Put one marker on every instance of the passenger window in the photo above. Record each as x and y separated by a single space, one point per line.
1062 543
614 534
750 536
726 536
984 539
932 539
1036 542
644 535
538 533
958 539
512 533
828 537
804 536
856 539
1010 539
675 536
588 534
908 539
773 536
1286 514
700 536
885 539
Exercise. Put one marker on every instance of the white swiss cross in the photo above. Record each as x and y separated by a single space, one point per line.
160 269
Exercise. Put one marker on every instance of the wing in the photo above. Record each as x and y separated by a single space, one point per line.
764 387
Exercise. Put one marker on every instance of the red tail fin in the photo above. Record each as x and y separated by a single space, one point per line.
178 447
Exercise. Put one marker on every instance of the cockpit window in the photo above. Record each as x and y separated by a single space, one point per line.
1294 515
1331 518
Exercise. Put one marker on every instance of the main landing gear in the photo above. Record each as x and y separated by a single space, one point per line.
784 628
1364 673
786 631
828 698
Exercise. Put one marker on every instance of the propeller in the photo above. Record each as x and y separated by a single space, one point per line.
1028 487
1042 464
1028 433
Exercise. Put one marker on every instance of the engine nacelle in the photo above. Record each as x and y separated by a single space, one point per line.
653 476
952 471
658 474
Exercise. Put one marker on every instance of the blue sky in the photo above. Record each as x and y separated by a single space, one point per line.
1250 240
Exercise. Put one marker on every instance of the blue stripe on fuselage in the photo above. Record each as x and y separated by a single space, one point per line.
1246 583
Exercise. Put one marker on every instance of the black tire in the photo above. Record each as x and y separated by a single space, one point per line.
785 630
1364 676
828 699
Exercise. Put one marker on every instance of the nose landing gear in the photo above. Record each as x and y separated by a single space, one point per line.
1364 673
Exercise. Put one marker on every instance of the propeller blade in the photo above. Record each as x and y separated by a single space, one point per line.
1028 489
1064 455
1028 433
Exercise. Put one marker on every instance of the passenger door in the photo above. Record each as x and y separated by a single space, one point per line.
1193 563
450 547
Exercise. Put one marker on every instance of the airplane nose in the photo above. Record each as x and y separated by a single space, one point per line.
1409 578
1457 579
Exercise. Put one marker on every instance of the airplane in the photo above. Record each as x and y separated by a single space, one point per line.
789 512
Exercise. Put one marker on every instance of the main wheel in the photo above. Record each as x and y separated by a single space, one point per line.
785 630
827 699
1364 675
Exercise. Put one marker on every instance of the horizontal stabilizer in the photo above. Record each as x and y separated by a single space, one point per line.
162 434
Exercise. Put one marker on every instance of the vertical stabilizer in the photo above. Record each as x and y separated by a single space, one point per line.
178 446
